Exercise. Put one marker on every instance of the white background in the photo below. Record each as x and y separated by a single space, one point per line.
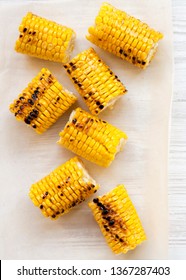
177 269
177 156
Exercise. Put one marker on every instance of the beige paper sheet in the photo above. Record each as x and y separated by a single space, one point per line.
26 157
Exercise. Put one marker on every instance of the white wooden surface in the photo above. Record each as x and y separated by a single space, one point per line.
177 166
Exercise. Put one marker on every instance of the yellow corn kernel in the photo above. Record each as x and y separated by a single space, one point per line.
42 103
90 74
95 134
37 32
61 190
122 28
118 220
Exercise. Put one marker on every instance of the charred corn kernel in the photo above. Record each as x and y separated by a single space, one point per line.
42 102
126 32
38 38
118 220
85 133
61 190
92 79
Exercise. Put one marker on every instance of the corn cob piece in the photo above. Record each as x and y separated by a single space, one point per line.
45 39
118 220
96 83
125 36
42 102
61 190
92 138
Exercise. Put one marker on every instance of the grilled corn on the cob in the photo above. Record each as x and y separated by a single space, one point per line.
42 102
61 190
45 39
124 36
95 82
118 220
92 138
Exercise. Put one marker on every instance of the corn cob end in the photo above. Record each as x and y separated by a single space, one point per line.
118 220
92 138
63 189
45 39
125 36
42 102
94 80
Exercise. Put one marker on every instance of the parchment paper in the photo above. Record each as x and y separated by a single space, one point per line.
26 157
